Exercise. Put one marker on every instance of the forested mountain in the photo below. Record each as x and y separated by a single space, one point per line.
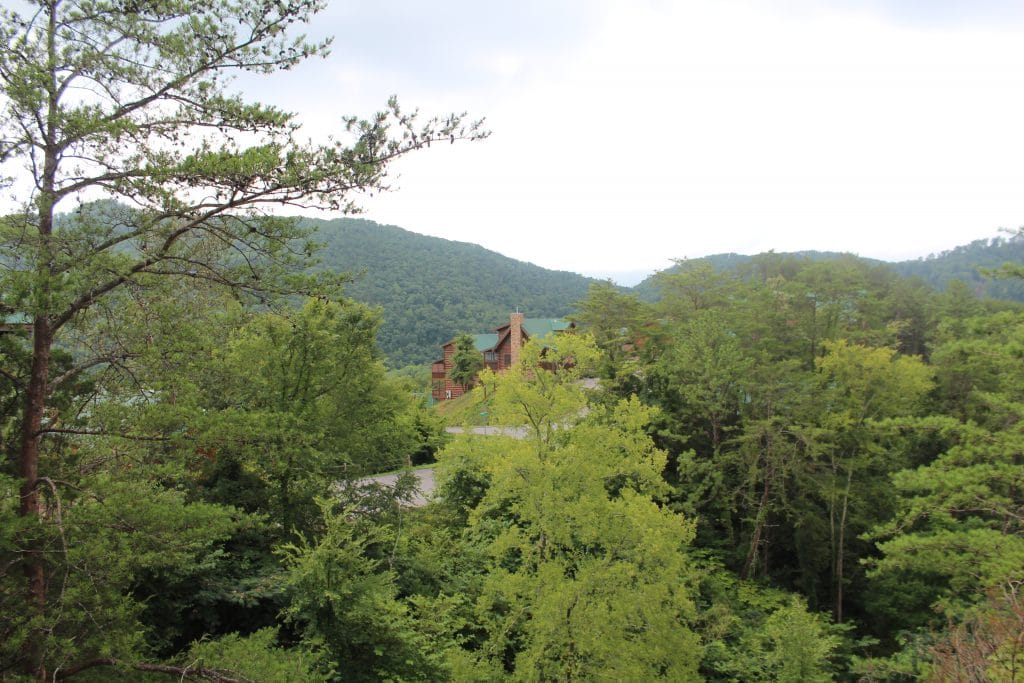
432 288
648 289
966 263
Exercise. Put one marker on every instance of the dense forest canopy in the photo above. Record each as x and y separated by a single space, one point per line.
133 104
792 469
844 434
431 289
974 264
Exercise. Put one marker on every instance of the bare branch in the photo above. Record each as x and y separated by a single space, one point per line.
184 673
82 367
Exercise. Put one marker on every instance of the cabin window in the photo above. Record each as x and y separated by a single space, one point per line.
508 359
491 356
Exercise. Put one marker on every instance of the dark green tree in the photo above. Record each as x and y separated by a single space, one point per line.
466 361
132 103
621 325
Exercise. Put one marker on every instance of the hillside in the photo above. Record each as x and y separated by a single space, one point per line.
432 288
965 263
648 290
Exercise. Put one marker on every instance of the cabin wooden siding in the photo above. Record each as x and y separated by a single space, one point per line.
442 388
510 338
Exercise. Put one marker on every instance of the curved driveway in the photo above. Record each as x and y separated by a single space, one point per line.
425 475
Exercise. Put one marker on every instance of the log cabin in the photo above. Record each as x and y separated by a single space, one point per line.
500 350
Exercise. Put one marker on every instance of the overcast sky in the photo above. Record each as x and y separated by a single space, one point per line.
626 134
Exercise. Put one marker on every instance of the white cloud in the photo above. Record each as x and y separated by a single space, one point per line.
681 129
630 133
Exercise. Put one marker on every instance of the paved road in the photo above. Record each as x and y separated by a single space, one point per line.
425 487
426 475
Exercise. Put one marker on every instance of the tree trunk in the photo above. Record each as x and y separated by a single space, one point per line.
841 548
42 343
759 523
28 469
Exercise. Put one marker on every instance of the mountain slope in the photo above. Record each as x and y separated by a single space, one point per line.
964 263
432 288
648 289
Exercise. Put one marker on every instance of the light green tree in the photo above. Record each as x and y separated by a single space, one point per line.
861 385
588 575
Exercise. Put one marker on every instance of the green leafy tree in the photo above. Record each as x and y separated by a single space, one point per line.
159 129
588 575
299 401
621 325
861 386
345 600
757 633
115 528
701 375
466 361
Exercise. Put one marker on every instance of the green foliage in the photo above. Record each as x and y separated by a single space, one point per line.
979 357
588 575
201 434
753 633
343 601
158 129
297 401
430 288
621 325
702 376
956 533
775 382
101 541
959 516
257 657
544 391
466 361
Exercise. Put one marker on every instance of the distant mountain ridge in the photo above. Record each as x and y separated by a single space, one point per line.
966 263
647 290
432 289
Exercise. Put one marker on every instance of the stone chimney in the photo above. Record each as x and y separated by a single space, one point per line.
515 331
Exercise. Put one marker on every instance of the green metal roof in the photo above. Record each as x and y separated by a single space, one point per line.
542 327
484 342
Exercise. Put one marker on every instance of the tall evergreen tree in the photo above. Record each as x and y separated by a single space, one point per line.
466 361
131 102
